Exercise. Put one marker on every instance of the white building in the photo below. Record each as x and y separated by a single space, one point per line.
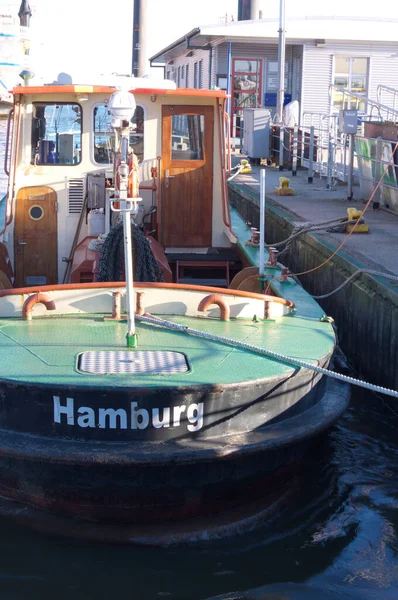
356 53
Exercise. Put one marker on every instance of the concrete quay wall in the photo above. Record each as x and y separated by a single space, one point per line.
365 310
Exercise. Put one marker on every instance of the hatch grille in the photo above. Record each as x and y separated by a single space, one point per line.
144 362
75 196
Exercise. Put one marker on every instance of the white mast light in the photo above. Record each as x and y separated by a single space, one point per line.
121 106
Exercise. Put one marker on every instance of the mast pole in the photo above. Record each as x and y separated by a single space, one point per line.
122 107
281 71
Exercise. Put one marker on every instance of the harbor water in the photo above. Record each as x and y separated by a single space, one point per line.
336 536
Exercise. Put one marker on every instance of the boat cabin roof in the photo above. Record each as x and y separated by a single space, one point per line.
101 89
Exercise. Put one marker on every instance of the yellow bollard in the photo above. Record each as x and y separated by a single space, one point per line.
284 189
354 213
246 166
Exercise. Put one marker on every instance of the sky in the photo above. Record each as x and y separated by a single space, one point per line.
95 36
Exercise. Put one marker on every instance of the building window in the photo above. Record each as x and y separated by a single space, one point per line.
195 75
104 134
351 74
187 76
56 133
200 75
246 78
178 76
182 72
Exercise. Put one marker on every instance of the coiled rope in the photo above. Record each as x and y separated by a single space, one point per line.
111 264
269 353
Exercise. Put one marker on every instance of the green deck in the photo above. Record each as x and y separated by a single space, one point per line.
45 350
306 305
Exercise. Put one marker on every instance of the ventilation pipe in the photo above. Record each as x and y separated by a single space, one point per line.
139 38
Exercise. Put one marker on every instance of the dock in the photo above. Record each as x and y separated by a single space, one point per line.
365 309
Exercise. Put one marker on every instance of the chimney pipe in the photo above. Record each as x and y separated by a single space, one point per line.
139 38
24 14
248 10
255 10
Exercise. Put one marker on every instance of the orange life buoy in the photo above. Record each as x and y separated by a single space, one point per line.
133 182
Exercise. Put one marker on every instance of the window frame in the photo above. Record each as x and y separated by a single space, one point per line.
33 160
142 135
349 87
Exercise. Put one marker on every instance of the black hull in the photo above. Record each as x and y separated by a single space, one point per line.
151 482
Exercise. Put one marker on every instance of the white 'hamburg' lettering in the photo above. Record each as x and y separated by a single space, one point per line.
140 418
113 415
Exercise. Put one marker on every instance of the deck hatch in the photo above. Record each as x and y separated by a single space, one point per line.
137 362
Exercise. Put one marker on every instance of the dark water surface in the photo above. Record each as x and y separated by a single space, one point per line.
336 537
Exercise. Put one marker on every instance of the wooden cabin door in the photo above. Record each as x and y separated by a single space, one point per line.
35 237
185 218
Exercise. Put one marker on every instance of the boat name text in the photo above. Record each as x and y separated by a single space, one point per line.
135 418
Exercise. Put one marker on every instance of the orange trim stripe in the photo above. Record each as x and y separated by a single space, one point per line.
101 89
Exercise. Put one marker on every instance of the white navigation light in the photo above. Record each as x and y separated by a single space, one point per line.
122 106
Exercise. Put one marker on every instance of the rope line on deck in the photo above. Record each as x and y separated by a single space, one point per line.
269 353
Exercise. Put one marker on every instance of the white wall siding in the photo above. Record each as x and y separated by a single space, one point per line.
318 70
183 61
297 72
383 71
317 76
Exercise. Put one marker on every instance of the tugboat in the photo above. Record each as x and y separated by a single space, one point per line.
145 393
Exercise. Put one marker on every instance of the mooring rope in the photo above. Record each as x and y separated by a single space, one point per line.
368 271
330 226
269 353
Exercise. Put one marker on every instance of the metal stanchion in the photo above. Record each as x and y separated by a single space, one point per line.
262 224
378 172
329 184
350 174
310 156
295 146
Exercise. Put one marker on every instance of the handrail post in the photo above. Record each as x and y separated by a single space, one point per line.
310 156
295 146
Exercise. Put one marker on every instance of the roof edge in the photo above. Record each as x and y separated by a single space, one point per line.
176 43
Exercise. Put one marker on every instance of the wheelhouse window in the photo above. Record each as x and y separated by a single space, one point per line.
56 133
104 134
351 74
187 139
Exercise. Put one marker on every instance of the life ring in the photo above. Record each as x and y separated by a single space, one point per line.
133 181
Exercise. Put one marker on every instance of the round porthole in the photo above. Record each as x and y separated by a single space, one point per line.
36 212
